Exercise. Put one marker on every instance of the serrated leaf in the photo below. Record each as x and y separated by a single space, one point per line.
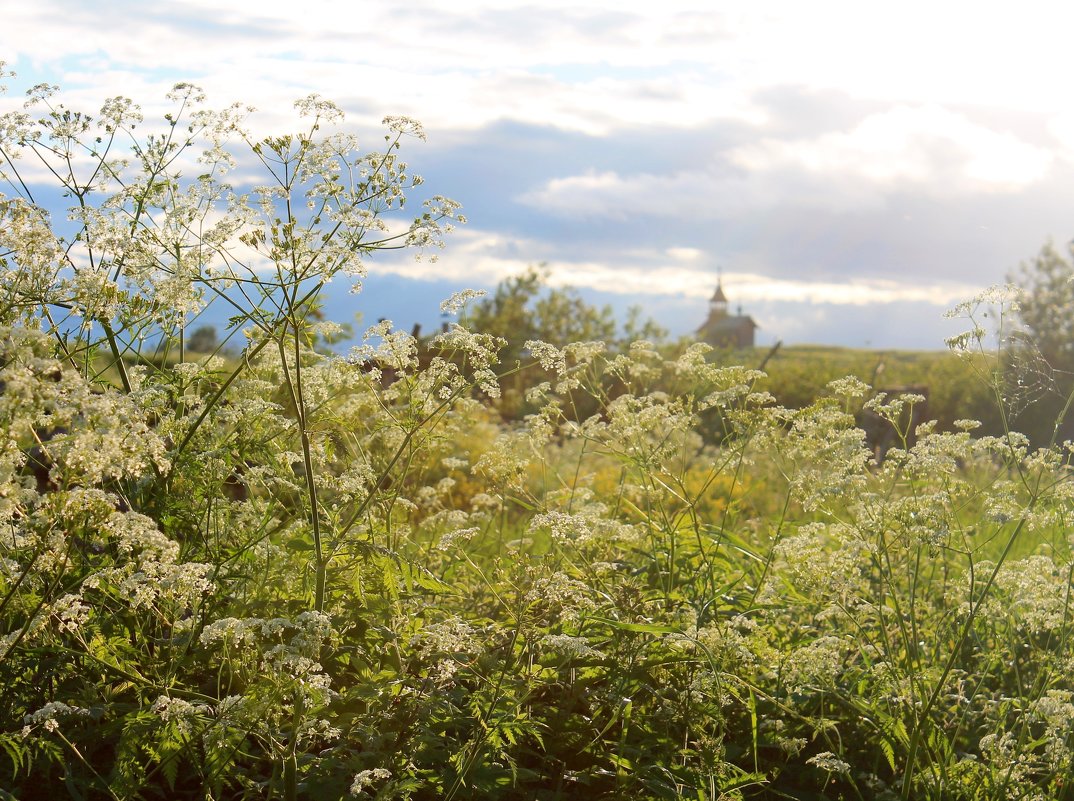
745 780
889 752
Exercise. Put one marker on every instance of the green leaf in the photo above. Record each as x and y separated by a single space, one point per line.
745 780
889 752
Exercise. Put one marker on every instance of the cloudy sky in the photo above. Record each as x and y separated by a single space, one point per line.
853 168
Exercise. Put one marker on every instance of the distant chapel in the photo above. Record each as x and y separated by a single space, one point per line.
724 330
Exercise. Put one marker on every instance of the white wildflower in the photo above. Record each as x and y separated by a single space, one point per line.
575 647
455 303
829 762
366 778
50 714
449 539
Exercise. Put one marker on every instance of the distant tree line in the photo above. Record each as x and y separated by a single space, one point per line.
1037 347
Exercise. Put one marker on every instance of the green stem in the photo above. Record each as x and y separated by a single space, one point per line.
100 779
219 394
937 691
294 387
117 357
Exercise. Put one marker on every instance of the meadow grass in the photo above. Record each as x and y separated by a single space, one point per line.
293 574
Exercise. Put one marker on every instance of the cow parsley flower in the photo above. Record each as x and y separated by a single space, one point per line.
829 762
455 303
48 716
366 778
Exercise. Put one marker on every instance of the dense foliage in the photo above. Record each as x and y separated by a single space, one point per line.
292 574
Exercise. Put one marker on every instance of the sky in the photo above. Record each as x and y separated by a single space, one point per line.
850 169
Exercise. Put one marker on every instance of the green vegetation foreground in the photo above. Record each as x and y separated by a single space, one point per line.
295 575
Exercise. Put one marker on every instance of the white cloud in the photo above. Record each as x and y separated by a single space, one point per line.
453 68
698 194
473 258
753 288
685 254
610 195
928 146
988 54
612 63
